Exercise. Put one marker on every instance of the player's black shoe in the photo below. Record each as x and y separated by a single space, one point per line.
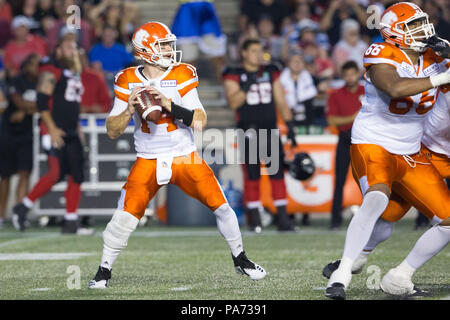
69 227
336 291
101 279
244 265
19 216
330 268
254 220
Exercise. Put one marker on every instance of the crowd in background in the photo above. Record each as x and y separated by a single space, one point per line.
325 33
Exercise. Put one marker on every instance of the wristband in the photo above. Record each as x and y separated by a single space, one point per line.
440 79
183 114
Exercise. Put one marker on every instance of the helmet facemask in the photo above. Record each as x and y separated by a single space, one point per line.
416 37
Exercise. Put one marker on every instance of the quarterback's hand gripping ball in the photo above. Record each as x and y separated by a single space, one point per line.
148 107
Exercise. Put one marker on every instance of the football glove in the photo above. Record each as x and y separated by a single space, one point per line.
439 45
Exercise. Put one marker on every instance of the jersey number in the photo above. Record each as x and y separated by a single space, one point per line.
165 118
260 93
403 105
74 90
374 49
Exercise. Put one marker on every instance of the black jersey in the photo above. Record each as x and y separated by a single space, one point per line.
65 101
259 107
26 88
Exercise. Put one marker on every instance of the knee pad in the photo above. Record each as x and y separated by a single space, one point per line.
119 229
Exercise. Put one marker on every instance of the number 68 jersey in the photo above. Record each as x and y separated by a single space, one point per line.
169 136
396 124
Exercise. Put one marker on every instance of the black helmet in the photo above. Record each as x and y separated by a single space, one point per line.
302 167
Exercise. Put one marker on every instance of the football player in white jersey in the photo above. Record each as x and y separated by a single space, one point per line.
436 146
166 152
402 77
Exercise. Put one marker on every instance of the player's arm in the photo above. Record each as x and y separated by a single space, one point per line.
191 112
234 94
385 78
28 107
45 88
121 114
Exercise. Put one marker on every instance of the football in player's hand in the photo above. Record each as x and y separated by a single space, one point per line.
149 107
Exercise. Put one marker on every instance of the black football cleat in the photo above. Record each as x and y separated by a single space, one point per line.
69 227
101 279
20 216
330 268
336 291
244 265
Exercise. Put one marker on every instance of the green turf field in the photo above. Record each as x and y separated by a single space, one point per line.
195 263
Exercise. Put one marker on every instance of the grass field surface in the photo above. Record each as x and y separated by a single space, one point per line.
195 263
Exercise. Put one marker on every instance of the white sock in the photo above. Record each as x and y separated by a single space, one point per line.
115 236
429 244
72 216
27 202
361 226
109 257
381 231
228 226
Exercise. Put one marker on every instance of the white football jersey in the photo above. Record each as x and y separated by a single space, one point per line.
396 124
169 136
436 135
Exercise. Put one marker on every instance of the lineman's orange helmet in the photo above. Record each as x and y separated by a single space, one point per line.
395 26
147 44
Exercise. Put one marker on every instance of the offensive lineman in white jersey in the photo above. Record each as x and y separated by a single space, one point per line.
401 87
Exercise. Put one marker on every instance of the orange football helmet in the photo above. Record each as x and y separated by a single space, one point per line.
147 44
395 26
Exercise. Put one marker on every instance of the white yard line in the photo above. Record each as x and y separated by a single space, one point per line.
21 240
43 256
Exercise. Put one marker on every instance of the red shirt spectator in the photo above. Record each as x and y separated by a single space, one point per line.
343 102
95 98
18 49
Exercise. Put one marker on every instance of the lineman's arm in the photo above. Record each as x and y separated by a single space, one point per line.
385 78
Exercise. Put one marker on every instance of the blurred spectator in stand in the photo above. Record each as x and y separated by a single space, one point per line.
16 135
122 15
198 28
96 95
439 16
337 12
342 107
23 44
272 43
29 9
299 90
60 26
252 10
350 47
5 11
109 56
46 16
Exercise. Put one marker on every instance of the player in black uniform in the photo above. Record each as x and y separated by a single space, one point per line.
16 135
254 91
59 93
